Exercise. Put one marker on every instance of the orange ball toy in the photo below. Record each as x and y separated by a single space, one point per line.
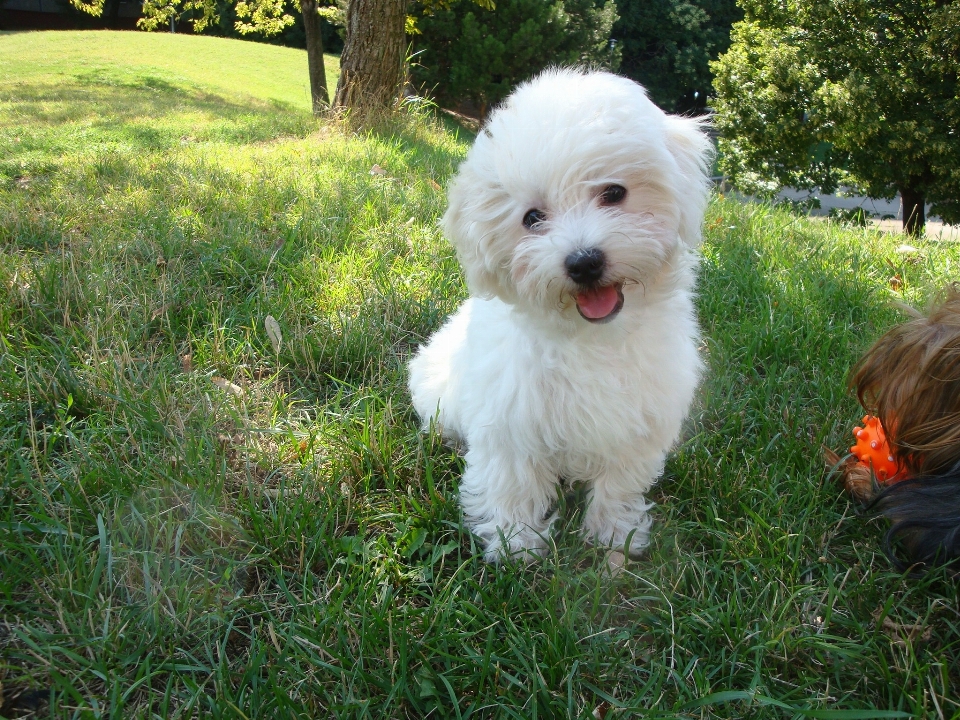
873 452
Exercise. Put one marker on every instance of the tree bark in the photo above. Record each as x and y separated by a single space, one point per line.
371 65
320 98
911 203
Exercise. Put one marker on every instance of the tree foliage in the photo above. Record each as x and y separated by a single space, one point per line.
265 16
466 52
818 93
251 17
157 14
90 7
667 46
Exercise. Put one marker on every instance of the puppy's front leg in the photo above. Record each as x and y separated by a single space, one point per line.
507 499
617 506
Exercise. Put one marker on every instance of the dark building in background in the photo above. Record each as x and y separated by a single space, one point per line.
61 15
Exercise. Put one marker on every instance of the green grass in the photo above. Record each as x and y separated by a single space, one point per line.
288 545
237 70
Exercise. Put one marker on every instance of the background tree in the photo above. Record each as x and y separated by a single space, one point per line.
474 54
815 93
667 46
374 50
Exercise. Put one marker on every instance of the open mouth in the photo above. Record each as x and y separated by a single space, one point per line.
600 304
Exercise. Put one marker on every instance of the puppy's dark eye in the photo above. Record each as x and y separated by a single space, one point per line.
534 217
613 195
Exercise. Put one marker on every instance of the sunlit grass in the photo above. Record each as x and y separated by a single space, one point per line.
235 69
197 520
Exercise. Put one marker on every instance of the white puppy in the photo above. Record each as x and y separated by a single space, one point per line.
575 215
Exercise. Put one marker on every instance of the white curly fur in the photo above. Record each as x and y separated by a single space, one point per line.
535 391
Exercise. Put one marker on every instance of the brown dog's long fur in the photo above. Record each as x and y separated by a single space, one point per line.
910 379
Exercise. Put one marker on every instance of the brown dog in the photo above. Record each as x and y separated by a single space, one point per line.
910 379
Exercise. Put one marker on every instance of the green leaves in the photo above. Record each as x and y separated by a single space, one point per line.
667 46
93 7
263 16
158 13
858 92
473 54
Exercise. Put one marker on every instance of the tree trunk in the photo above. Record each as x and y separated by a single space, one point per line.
318 75
911 203
371 65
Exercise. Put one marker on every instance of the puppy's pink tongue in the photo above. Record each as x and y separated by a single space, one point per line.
598 303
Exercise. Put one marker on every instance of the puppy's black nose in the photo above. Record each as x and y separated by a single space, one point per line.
585 267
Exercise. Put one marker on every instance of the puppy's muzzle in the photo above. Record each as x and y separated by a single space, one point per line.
585 266
596 303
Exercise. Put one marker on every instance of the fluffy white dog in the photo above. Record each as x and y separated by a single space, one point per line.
575 215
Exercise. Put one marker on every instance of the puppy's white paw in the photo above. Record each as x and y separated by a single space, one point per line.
615 562
507 498
513 542
616 529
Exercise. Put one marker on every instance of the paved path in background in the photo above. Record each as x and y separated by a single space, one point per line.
876 208
935 230
885 213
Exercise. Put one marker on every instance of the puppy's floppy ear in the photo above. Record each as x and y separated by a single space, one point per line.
693 152
462 229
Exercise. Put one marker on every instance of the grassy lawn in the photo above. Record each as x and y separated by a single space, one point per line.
201 518
237 70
